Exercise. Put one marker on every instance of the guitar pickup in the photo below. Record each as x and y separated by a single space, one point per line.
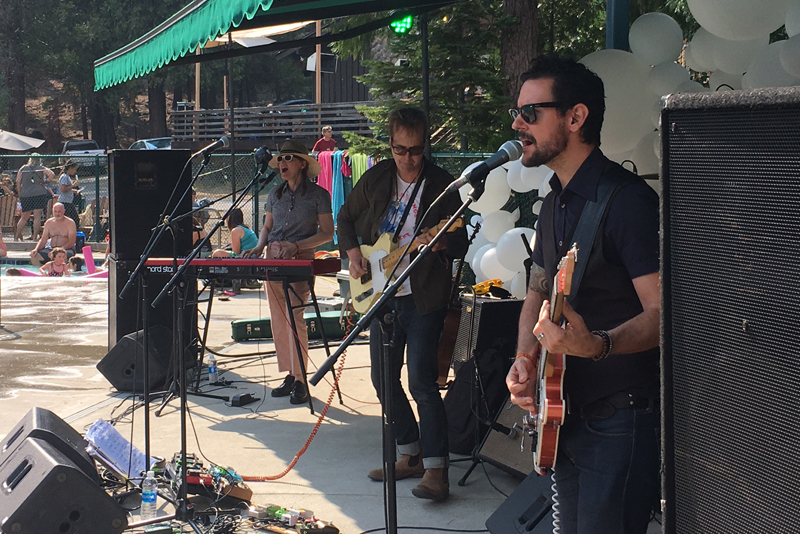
366 294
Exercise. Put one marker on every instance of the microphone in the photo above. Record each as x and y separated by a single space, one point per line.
223 142
262 156
510 151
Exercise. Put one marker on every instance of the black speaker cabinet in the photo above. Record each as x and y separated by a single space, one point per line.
502 449
140 184
123 366
484 322
45 425
43 491
731 310
122 313
527 509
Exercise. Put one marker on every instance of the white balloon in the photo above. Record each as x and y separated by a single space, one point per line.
735 56
536 207
703 44
622 156
496 224
691 86
691 61
766 69
644 157
511 251
628 102
720 79
544 189
739 20
665 77
514 176
655 38
517 287
477 243
533 177
491 267
476 262
476 220
793 19
790 56
495 194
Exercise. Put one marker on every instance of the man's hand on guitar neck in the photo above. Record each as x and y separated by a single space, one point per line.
358 263
424 238
575 339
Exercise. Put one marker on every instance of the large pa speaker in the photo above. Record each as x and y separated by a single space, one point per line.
731 309
527 509
43 491
123 313
140 185
501 446
45 425
483 323
123 366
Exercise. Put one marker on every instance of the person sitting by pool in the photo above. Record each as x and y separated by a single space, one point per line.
57 266
58 231
3 250
242 237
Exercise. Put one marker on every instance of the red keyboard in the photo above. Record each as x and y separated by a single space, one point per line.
248 268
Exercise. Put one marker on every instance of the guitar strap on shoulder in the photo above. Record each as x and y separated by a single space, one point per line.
410 202
588 224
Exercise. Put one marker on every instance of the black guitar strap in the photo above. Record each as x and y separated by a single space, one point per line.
410 202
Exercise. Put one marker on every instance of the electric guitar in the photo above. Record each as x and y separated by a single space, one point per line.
382 257
545 425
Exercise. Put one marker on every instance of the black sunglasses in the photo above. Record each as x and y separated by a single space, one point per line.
528 111
401 150
284 157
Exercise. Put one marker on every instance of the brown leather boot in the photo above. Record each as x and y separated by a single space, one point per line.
435 485
405 467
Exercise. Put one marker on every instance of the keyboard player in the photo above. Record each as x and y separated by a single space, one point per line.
298 219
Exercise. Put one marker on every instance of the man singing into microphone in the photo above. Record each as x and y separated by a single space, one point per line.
392 197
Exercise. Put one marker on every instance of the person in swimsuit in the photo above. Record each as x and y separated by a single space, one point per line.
57 266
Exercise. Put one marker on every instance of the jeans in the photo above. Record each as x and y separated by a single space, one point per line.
420 334
607 472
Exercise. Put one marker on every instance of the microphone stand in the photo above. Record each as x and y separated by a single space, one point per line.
388 438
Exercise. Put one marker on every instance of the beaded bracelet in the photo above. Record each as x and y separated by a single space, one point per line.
607 345
524 355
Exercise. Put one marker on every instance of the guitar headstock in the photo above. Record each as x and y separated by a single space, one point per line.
565 269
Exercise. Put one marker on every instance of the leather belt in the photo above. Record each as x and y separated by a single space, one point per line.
608 406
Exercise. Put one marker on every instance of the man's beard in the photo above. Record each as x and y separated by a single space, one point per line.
546 151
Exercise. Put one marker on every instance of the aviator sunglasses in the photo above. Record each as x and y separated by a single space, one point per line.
528 111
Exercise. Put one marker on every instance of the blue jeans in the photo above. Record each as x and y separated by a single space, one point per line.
607 472
420 334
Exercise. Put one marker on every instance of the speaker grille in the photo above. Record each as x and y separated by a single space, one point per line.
731 245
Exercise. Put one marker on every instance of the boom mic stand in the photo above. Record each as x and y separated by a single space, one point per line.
388 438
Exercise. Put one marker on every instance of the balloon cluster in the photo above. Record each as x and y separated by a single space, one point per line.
732 45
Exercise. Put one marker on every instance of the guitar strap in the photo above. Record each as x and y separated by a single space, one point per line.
410 202
587 226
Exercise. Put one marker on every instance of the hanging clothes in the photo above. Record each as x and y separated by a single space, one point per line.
337 189
325 178
358 162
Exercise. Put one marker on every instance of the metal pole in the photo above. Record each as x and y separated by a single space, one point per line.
230 103
426 71
318 68
618 14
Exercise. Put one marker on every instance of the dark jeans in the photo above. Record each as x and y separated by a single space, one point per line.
420 334
607 472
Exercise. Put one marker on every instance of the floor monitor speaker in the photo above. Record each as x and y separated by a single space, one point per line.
501 446
141 184
731 309
45 425
123 366
43 491
527 509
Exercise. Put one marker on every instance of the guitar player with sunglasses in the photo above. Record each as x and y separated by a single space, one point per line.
606 458
389 199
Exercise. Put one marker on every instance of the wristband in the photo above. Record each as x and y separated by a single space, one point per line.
525 355
607 345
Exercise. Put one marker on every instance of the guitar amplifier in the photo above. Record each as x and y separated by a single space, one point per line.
485 323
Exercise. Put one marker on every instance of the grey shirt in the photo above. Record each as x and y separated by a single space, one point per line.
69 196
295 213
32 183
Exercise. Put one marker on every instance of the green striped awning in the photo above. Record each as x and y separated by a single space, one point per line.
204 20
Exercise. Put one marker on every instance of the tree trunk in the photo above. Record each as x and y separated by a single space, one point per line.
157 102
103 122
15 78
520 42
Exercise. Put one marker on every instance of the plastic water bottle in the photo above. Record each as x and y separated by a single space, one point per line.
212 370
149 497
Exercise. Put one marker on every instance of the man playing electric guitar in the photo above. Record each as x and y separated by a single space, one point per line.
606 471
391 197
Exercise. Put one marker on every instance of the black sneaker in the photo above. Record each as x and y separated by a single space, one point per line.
284 389
299 393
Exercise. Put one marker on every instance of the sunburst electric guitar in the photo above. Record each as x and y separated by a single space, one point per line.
545 425
382 257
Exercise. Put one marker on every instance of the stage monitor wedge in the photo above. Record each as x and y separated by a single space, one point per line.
141 183
731 309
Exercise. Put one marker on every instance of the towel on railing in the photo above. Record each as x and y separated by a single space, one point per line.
358 162
325 178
